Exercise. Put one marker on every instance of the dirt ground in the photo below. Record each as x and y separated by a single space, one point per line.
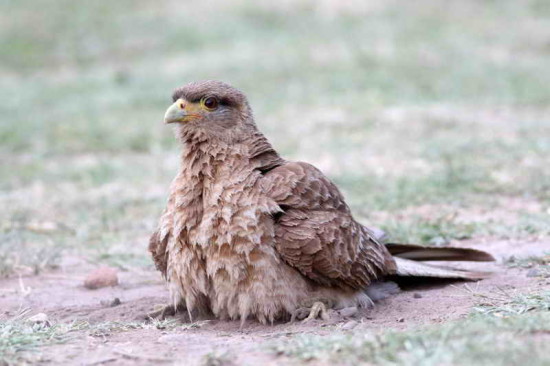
63 298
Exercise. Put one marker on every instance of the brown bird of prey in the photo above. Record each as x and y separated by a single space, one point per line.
248 234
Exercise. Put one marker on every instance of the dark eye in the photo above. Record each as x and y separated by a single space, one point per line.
210 103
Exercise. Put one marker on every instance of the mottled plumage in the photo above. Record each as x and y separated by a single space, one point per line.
247 234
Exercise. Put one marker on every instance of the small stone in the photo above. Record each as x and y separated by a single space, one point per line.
101 277
350 325
111 303
532 272
401 320
39 318
416 295
348 312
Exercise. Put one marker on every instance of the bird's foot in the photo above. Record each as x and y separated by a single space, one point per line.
317 310
164 312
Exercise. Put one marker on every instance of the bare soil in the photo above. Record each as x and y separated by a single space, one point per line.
62 296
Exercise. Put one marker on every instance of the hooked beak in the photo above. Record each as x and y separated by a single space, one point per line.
177 112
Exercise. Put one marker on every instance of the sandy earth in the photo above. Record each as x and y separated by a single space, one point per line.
63 298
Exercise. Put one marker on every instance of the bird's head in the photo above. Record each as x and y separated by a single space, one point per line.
211 109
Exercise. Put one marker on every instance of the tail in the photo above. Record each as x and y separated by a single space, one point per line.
408 259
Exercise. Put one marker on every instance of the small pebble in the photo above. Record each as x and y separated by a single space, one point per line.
416 295
401 320
39 318
101 277
111 303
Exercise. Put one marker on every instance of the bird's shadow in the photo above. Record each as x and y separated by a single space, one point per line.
424 283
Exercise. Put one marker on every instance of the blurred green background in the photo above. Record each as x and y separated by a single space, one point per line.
432 116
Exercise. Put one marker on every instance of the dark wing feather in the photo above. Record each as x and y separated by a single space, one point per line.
423 253
316 233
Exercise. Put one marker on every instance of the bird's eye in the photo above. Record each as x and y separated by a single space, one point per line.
210 103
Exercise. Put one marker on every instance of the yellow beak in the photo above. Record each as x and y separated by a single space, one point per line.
176 112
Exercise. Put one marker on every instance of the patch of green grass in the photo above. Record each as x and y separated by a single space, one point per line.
445 227
531 224
439 231
506 305
20 341
402 105
389 56
378 193
539 265
218 359
503 329
480 340
28 252
105 329
529 262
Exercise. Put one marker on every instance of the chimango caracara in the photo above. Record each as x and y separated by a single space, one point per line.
248 234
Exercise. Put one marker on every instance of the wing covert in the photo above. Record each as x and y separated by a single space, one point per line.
316 233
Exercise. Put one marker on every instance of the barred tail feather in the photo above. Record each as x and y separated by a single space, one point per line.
411 268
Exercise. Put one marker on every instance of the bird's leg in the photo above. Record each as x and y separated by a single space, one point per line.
318 309
165 311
